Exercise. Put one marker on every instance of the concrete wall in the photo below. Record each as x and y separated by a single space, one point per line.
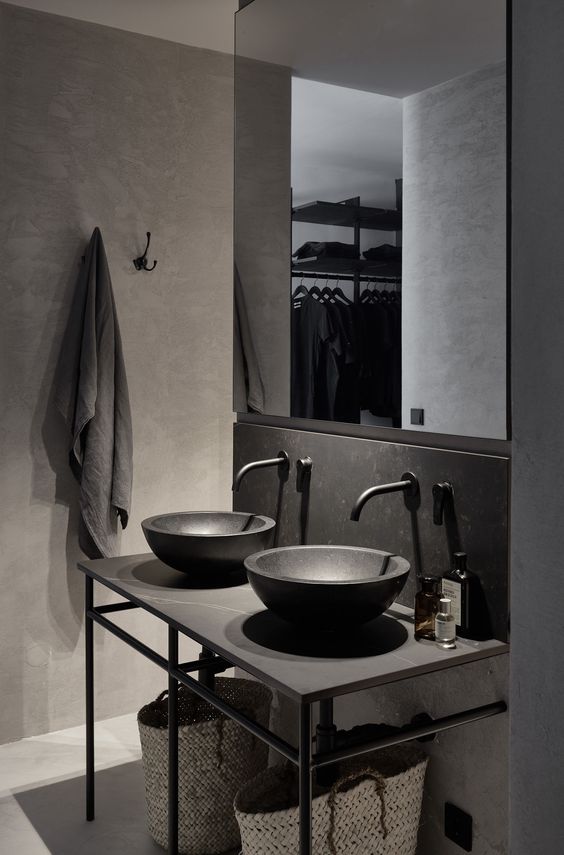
199 23
537 698
454 257
102 127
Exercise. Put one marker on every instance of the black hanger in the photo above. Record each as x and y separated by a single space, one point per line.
301 289
315 292
337 292
327 295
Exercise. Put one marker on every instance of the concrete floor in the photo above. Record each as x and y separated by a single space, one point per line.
42 794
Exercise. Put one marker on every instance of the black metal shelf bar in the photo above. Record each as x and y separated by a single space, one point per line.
214 664
332 264
120 633
124 606
280 745
411 732
344 277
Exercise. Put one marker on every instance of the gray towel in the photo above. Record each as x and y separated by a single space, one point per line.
92 395
248 387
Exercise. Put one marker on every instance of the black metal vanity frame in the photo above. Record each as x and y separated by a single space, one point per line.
206 667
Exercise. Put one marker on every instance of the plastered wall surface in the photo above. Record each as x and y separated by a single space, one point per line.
103 127
537 693
199 23
454 258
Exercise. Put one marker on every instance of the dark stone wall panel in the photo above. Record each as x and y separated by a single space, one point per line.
343 467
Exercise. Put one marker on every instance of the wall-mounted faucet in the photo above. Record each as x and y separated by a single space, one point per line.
409 486
282 462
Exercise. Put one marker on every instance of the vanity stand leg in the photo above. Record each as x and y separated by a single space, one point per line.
89 656
172 743
206 677
325 741
305 779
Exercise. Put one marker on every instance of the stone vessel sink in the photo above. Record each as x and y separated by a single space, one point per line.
207 543
327 587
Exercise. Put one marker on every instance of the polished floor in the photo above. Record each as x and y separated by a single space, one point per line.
42 794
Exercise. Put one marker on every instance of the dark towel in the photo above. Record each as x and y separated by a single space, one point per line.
384 252
248 387
93 398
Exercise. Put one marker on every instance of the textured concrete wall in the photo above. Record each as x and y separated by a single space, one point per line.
102 127
193 22
537 587
454 257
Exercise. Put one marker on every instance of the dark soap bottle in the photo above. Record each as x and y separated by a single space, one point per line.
426 607
468 604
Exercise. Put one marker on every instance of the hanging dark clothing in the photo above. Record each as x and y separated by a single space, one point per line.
315 351
346 358
347 395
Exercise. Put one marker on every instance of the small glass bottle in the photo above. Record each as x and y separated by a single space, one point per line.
445 625
426 607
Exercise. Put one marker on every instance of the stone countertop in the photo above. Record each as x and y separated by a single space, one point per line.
233 623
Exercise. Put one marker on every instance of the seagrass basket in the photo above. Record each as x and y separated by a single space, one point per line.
216 756
374 807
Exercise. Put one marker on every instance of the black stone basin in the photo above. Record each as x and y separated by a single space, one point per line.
207 543
327 587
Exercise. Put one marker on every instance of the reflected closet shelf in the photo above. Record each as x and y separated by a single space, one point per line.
343 214
347 266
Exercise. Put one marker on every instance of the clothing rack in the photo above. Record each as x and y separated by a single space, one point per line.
347 277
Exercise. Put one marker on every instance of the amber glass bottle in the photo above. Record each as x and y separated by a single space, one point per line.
426 607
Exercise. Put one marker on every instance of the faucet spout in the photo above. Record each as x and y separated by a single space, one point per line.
408 485
282 461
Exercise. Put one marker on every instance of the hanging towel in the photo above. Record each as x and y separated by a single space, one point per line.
92 396
248 386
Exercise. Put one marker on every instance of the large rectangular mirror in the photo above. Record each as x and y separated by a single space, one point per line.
370 213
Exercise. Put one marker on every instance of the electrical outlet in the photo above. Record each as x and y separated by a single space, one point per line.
458 826
417 417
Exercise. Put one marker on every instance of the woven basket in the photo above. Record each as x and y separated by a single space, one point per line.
372 809
216 756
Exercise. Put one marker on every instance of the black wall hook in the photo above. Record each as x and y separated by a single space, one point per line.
141 262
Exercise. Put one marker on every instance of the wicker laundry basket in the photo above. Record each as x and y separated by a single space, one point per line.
373 809
216 756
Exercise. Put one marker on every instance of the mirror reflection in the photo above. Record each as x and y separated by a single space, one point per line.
370 213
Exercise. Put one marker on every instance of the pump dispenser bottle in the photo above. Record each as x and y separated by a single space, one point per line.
445 626
463 588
